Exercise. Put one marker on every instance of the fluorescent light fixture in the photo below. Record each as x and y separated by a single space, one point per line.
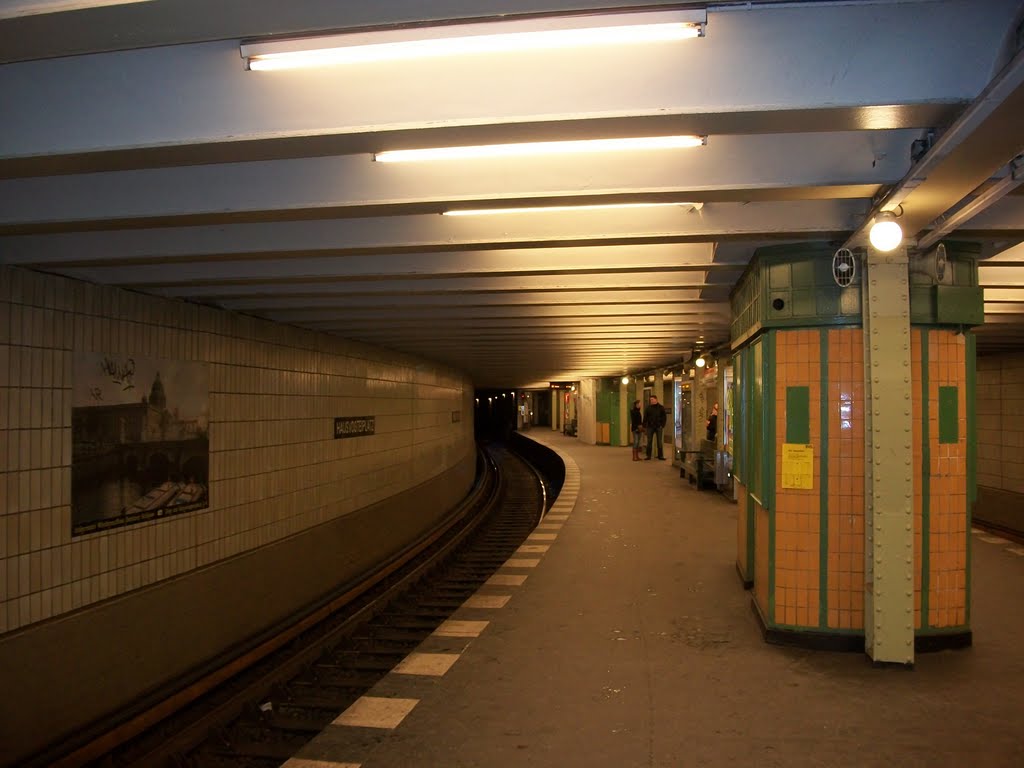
552 208
886 233
536 33
10 9
540 148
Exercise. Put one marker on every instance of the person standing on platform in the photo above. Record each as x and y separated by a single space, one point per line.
636 426
712 425
654 423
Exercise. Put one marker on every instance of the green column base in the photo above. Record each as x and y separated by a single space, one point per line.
748 583
817 640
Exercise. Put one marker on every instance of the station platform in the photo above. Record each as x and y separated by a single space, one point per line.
620 635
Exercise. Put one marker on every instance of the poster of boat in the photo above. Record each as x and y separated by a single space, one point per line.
139 440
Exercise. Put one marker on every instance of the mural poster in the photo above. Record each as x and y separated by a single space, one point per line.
139 444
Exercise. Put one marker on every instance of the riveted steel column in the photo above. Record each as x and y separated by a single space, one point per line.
889 482
556 409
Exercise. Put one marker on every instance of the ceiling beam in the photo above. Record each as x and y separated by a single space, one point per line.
736 169
734 69
821 219
983 139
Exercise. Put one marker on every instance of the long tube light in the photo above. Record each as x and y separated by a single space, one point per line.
538 33
539 148
550 208
11 9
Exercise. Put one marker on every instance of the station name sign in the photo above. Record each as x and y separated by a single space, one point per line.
354 426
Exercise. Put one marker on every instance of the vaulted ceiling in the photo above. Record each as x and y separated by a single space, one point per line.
137 150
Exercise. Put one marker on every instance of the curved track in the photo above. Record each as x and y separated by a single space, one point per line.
263 715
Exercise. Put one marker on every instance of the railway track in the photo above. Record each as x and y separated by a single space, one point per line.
266 713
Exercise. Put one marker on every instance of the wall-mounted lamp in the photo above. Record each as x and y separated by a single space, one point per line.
529 34
625 379
701 362
886 233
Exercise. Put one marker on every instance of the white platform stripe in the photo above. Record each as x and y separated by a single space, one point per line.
388 713
506 580
457 628
376 712
542 537
993 540
1019 551
487 601
431 664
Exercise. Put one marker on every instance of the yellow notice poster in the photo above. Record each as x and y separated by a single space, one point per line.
797 466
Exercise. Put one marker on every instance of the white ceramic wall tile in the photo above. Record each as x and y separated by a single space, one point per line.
275 470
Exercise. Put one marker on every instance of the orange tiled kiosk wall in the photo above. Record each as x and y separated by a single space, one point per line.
808 536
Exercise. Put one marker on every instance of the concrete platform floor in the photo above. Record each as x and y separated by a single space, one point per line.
631 643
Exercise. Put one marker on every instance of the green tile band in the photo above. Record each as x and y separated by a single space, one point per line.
768 467
798 415
823 389
970 355
949 415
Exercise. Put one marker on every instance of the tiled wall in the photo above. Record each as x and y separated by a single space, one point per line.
1000 427
742 543
948 538
586 411
275 469
846 478
797 511
939 466
762 555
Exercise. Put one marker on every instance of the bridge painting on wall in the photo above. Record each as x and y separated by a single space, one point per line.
139 445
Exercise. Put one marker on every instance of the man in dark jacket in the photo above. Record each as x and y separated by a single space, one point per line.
654 423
